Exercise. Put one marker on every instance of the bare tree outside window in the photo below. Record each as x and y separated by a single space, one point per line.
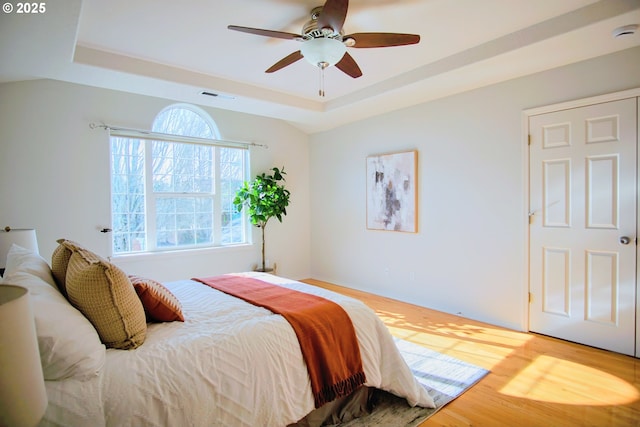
168 195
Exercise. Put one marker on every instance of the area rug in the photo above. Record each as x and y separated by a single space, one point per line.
444 377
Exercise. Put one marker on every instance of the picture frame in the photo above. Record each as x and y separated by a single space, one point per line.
392 193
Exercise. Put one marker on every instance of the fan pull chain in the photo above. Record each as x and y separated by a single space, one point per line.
321 90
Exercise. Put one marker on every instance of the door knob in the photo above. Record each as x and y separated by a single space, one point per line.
625 240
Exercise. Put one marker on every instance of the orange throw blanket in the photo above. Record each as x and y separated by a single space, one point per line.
325 332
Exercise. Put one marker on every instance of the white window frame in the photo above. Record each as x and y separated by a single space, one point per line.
150 196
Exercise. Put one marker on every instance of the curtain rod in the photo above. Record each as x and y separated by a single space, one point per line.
158 136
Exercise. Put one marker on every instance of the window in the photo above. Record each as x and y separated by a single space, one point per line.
173 188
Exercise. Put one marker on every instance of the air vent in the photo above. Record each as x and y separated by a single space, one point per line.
216 95
627 30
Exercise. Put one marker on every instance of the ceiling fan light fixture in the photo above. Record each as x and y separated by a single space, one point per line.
323 52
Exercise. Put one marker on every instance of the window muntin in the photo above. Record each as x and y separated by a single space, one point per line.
170 195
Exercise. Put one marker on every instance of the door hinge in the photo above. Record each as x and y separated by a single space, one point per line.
531 214
529 139
530 297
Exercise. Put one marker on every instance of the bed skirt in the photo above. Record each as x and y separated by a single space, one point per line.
340 410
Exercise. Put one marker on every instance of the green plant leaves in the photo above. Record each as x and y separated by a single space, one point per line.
264 198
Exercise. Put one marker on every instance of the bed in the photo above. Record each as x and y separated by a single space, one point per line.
227 363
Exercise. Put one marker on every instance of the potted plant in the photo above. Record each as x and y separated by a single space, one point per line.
265 198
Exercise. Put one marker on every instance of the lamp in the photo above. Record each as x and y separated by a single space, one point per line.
323 52
23 398
23 237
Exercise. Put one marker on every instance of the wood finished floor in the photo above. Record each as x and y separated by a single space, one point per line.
534 381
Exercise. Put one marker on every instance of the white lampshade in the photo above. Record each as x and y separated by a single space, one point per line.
23 237
323 52
23 398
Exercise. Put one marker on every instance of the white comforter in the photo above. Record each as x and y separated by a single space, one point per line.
233 364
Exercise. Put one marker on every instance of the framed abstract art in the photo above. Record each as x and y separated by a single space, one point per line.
392 196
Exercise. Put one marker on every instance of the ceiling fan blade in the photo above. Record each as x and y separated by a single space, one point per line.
266 33
333 14
364 40
287 60
348 65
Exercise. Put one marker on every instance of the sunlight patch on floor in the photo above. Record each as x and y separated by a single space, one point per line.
484 355
480 345
550 379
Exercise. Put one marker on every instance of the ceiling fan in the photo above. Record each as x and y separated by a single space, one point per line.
324 43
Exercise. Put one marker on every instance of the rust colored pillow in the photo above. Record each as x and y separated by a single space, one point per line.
159 303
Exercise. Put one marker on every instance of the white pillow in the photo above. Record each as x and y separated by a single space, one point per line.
69 344
21 259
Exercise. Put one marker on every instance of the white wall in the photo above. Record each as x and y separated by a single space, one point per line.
469 255
54 175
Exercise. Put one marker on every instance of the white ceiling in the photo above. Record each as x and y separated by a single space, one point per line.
177 49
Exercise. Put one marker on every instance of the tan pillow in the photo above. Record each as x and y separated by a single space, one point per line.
104 294
60 260
159 303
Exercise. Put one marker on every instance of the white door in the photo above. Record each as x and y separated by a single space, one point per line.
583 224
